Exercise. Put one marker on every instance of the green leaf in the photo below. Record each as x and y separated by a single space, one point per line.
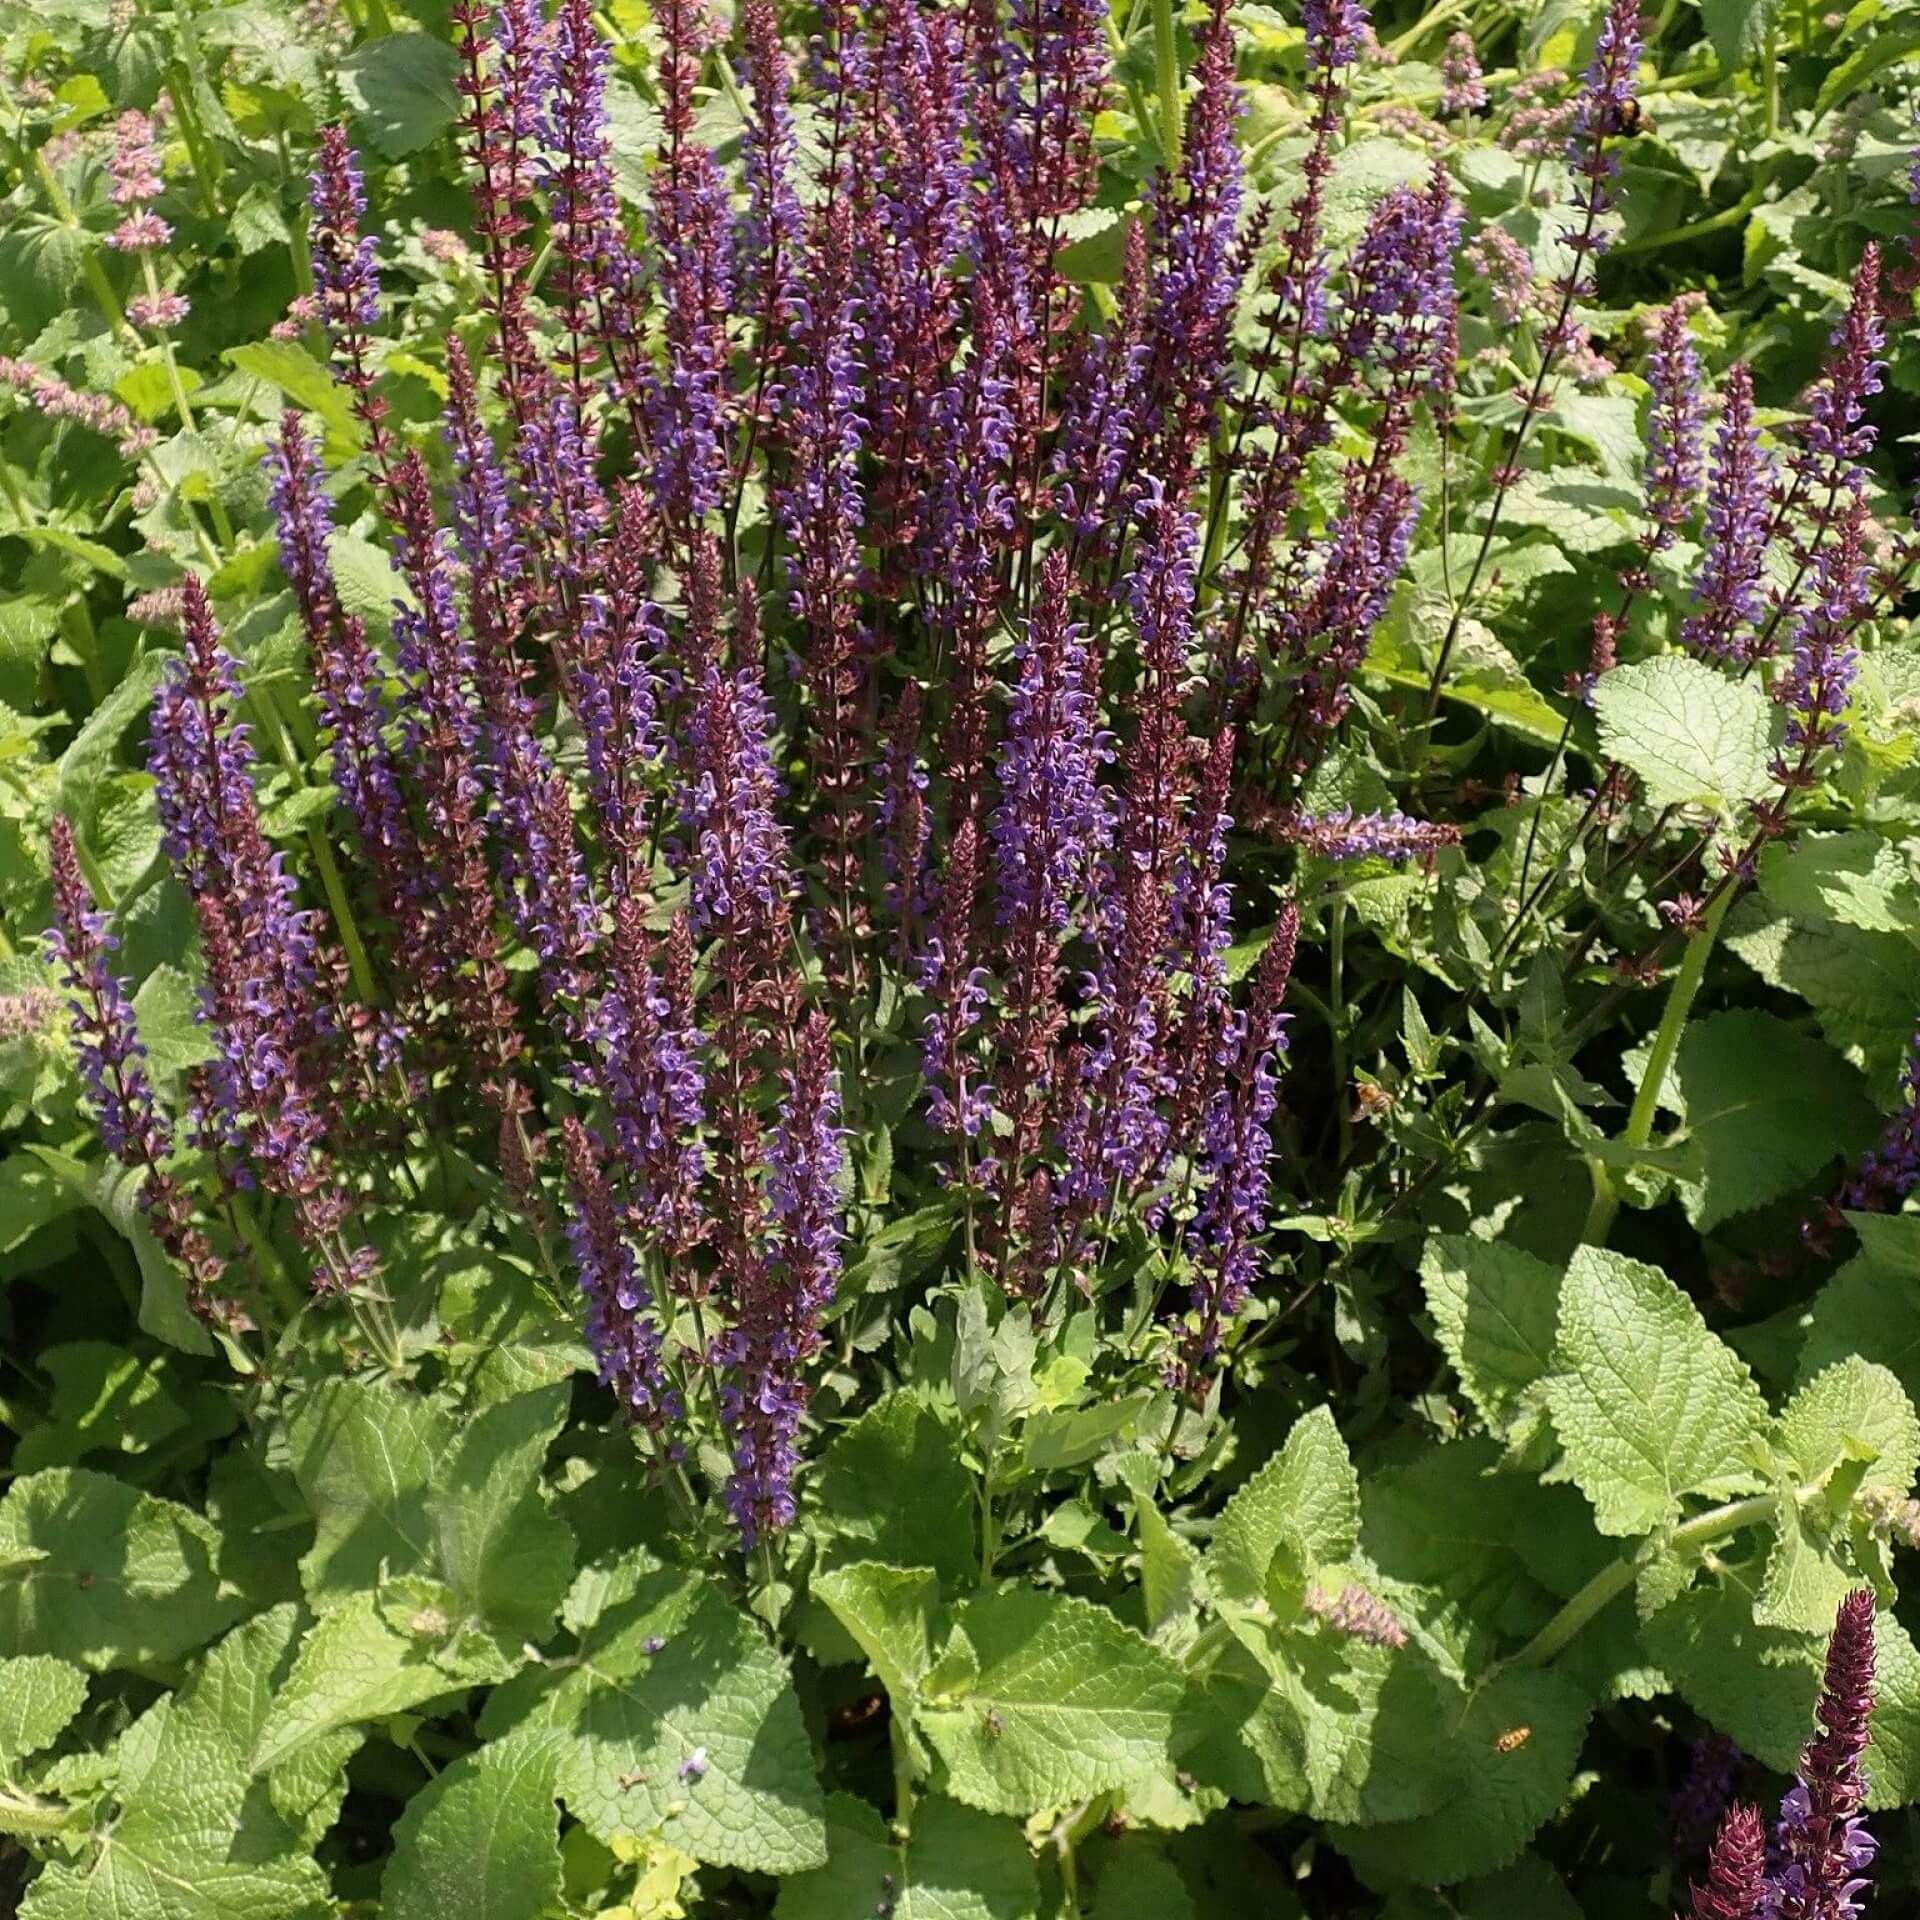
1508 1748
105 1399
1883 48
165 1011
393 1490
1070 1437
1307 1496
1649 1406
1760 1135
1137 1882
1691 734
480 1840
1738 29
1170 1577
700 1739
98 1573
1854 879
498 1545
402 86
958 1865
38 1696
1872 1307
1853 1411
889 1611
85 764
1052 1701
193 1837
372 1655
1804 1579
291 371
1495 1307
901 1443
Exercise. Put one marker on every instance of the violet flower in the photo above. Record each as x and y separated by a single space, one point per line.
1358 1614
778 1326
621 1327
1891 1170
113 1064
956 990
1822 1849
1346 835
1674 464
1465 90
1236 1147
1729 587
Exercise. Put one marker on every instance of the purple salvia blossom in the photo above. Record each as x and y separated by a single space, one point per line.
1736 1885
1837 435
113 1065
1336 31
1674 462
901 816
542 871
1196 278
621 1327
349 682
1357 1613
650 1070
135 160
822 509
582 208
1818 681
1601 110
742 886
1052 828
692 233
1729 587
1891 1170
1235 1149
768 249
1465 90
1822 1849
345 275
1347 835
778 1328
1101 408
956 990
1202 915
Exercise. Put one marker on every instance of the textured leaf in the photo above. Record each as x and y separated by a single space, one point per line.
1867 1307
1509 1748
1062 1702
1760 1135
958 1865
1855 879
1690 733
192 1837
1137 1882
104 1398
1738 29
701 1739
38 1696
371 1655
481 1840
1495 1307
1649 1405
889 1612
1851 1411
900 1444
165 1008
96 1572
402 86
1805 1579
287 367
1170 1577
1307 1496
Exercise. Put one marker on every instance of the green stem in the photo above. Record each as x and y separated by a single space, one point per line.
1616 1577
1166 60
1770 59
902 1776
1666 1043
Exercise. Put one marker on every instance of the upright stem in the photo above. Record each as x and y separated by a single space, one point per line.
1666 1043
1166 60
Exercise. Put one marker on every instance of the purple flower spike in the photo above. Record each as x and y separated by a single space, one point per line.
1736 1887
1891 1171
1235 1150
1730 585
1822 1848
620 1323
779 1318
1346 835
1673 427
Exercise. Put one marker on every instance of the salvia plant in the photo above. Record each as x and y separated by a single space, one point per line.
960 961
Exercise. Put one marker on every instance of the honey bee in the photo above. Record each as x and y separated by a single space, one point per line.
1370 1101
1512 1740
995 1725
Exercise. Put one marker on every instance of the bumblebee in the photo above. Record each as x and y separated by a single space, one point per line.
1627 119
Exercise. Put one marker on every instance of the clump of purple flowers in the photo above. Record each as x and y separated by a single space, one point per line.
1816 1865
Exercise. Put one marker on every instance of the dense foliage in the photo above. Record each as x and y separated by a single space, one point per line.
958 960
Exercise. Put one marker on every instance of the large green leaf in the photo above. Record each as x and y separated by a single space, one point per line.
956 1865
1691 734
481 1840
